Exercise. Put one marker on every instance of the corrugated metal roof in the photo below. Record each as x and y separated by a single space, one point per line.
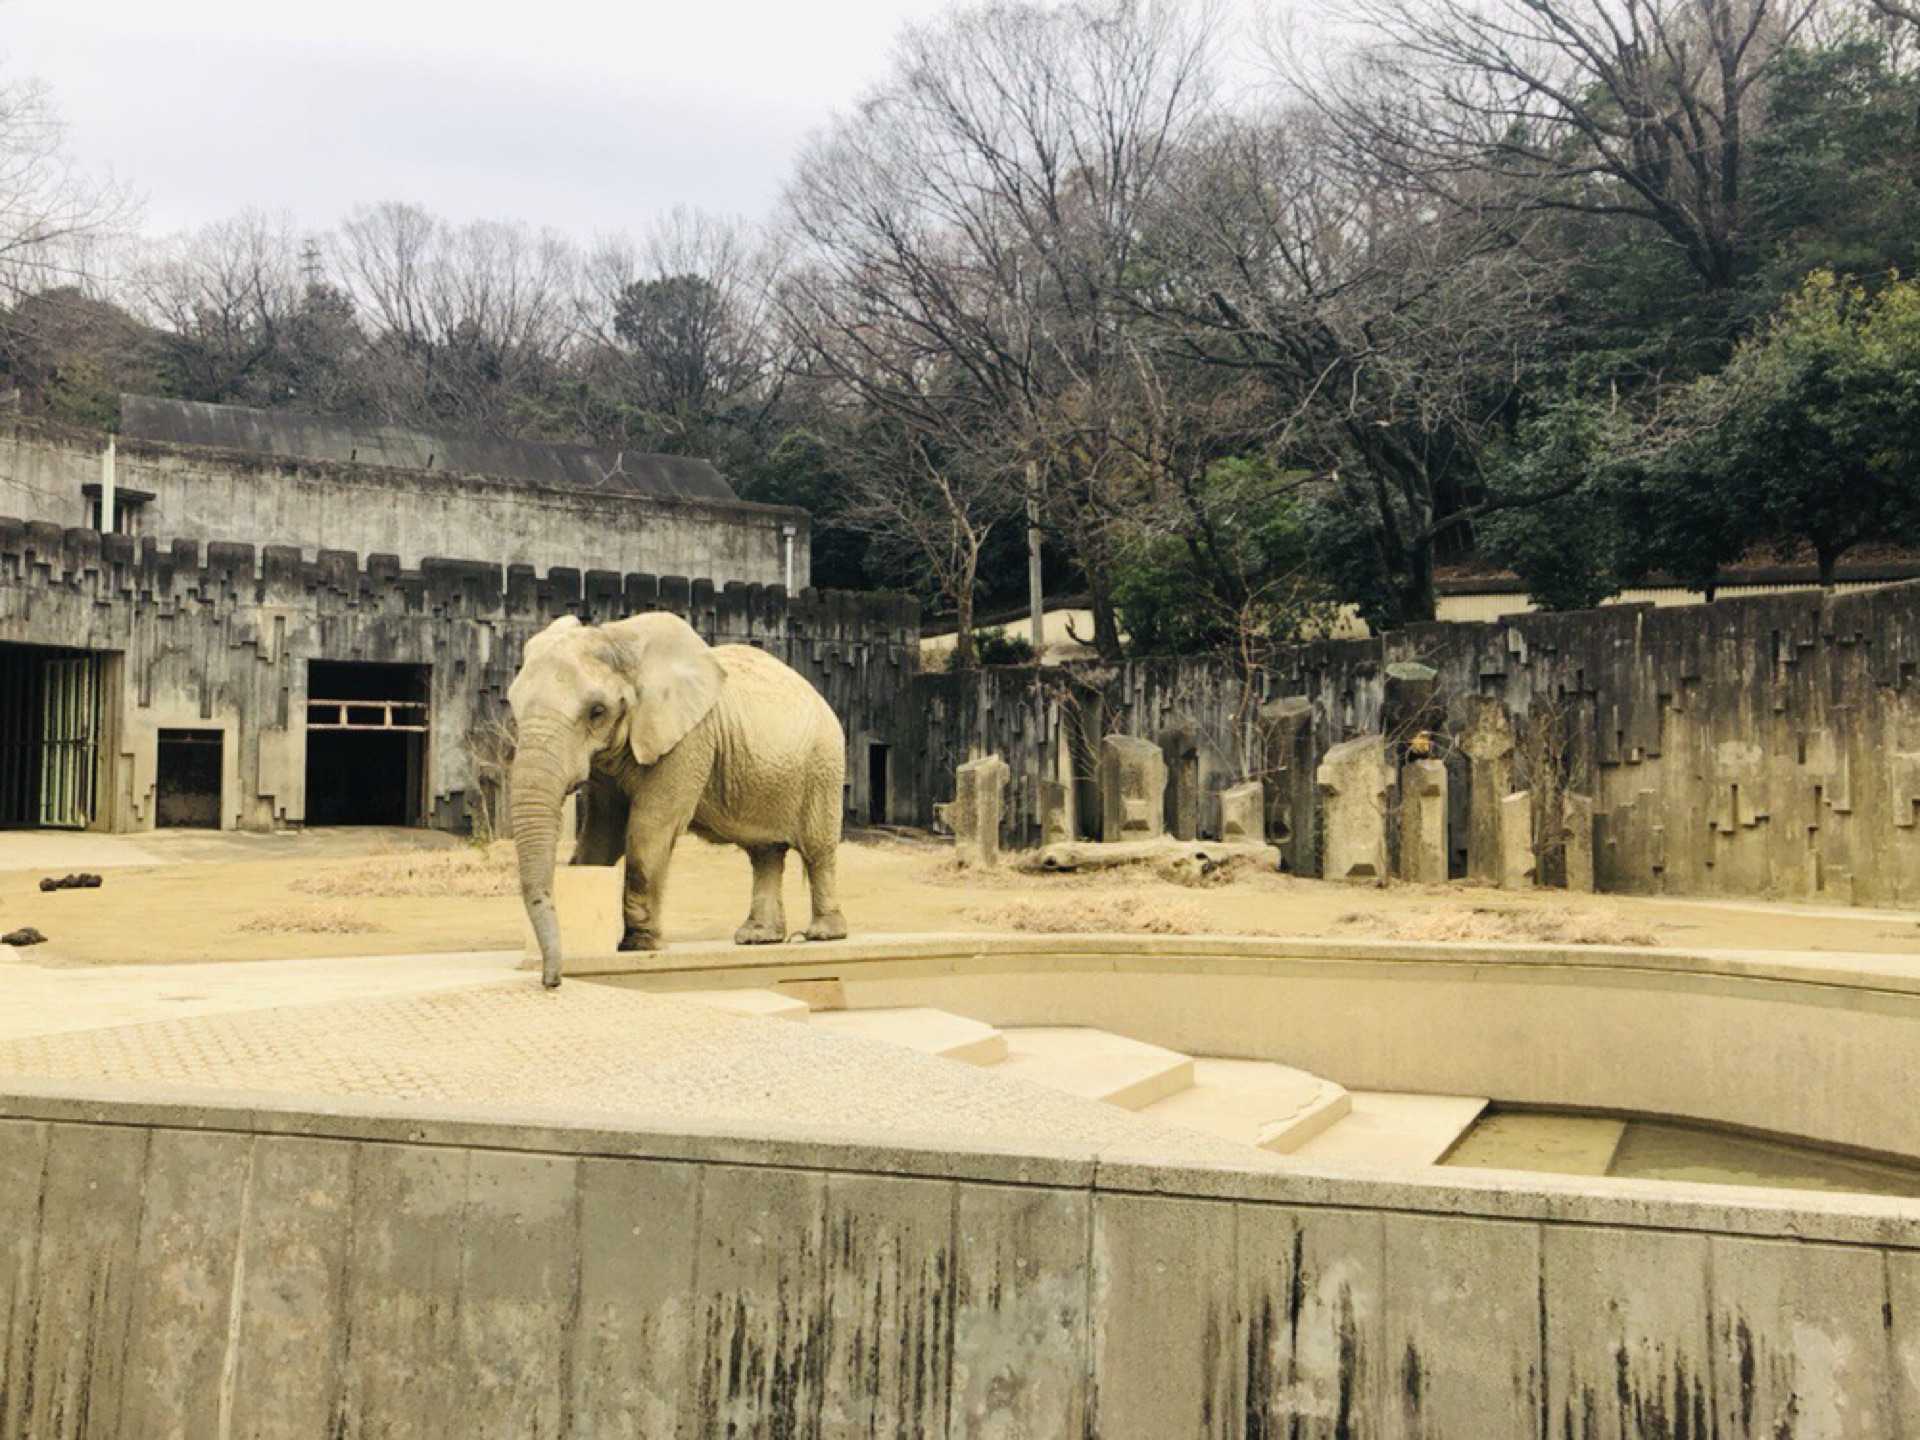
315 437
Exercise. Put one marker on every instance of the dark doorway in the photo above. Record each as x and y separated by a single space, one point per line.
49 736
366 743
189 779
877 806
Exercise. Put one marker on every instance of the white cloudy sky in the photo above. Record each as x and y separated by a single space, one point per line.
591 116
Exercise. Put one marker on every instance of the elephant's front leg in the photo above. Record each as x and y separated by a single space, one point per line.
649 848
766 922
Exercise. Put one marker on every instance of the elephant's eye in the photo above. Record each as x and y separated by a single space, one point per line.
597 714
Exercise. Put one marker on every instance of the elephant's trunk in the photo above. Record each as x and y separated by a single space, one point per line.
538 789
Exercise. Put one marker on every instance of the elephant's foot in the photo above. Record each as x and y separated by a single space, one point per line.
641 940
828 927
760 932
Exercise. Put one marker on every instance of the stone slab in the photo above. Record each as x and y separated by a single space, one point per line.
932 1032
1255 1102
1094 1064
765 1004
1021 1313
1393 1131
1353 779
1151 1256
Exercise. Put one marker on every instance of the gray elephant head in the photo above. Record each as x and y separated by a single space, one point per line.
585 696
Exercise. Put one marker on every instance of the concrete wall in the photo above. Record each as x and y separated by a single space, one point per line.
205 1267
221 640
210 495
1761 746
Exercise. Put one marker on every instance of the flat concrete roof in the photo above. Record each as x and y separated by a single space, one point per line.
289 435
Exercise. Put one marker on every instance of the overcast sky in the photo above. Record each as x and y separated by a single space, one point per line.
587 115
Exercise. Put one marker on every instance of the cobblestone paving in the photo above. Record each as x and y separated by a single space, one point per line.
598 1050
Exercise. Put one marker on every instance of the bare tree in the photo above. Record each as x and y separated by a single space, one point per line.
1636 108
966 239
227 296
53 215
679 333
1392 332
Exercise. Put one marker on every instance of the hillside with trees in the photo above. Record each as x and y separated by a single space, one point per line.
1588 290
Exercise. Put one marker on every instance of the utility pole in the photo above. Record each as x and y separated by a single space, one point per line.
1036 600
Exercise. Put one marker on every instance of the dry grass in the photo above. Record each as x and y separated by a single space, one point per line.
1099 914
465 873
1482 924
311 920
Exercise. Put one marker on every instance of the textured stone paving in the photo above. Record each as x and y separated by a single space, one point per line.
597 1050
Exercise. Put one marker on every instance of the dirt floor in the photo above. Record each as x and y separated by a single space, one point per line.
364 892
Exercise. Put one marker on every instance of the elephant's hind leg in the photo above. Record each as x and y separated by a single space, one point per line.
822 883
766 922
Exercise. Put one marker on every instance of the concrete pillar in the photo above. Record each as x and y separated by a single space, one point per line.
1133 784
1180 748
1353 780
975 814
1488 743
1577 821
1243 813
1286 760
1423 822
1056 813
1517 860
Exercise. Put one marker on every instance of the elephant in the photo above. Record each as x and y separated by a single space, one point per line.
668 734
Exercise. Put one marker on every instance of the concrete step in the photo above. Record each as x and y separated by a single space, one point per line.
769 1004
1385 1131
1095 1065
934 1032
1255 1102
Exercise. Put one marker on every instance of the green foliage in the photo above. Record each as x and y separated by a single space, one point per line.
1566 547
1811 435
995 647
1231 561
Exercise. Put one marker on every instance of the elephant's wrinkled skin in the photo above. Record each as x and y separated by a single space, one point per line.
667 735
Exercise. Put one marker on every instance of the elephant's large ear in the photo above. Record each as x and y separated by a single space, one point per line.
676 681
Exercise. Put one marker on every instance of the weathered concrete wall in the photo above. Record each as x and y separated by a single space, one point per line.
222 640
201 1269
1749 747
213 495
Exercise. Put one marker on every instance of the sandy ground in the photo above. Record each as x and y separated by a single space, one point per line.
177 899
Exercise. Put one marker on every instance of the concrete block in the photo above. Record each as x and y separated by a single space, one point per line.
1800 1342
183 1285
23 1154
1285 731
1020 1323
1133 783
1311 1290
979 794
1180 749
759 1302
1577 822
632 1346
402 1369
1903 1310
1056 813
1626 1318
888 1320
1243 813
1163 1333
518 1272
1519 866
1488 743
76 1323
1353 780
292 1288
1423 822
1462 1328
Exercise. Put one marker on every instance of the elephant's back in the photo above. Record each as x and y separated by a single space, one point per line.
779 754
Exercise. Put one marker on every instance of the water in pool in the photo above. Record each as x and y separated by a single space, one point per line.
1660 1150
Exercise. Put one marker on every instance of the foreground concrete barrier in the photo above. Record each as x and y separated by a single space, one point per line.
243 1266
